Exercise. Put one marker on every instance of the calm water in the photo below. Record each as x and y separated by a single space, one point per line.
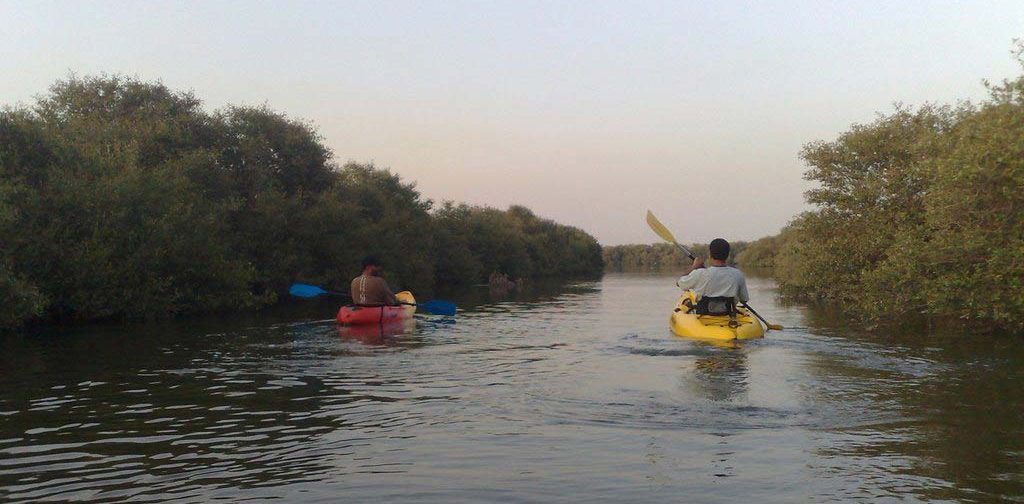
576 394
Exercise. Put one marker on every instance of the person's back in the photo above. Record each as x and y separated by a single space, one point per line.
369 289
718 280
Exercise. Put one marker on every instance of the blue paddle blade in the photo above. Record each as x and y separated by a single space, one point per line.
305 291
437 307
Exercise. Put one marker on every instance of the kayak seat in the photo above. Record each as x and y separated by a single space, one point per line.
711 305
716 306
685 322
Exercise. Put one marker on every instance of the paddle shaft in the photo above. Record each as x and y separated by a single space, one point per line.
383 305
758 315
685 251
434 306
663 232
347 295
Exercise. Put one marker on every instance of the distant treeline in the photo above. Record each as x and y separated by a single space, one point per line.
125 199
659 257
918 212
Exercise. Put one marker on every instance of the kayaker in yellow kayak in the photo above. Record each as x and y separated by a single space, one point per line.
369 289
719 287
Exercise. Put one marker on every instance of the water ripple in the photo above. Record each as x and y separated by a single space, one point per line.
577 395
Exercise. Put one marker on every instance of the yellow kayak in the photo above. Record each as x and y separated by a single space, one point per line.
713 327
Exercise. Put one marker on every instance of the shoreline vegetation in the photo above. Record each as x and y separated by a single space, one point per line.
122 199
920 212
659 257
916 215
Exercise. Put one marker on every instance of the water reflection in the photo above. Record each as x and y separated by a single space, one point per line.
382 334
932 410
188 415
721 375
532 293
570 392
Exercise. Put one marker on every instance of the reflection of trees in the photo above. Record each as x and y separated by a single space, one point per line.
180 411
921 406
539 290
657 257
722 374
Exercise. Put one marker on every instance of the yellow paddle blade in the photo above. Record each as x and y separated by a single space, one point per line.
659 228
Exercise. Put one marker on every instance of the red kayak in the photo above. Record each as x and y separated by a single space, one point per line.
358 315
376 334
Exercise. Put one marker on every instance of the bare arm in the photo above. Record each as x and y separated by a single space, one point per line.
390 296
689 280
698 263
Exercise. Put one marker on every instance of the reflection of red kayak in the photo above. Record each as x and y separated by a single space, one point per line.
376 334
355 315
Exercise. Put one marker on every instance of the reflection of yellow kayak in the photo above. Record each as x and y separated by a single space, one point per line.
713 327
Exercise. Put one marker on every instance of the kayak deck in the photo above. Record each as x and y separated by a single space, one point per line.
712 327
358 315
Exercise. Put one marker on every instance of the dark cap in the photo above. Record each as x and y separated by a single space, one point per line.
370 261
719 249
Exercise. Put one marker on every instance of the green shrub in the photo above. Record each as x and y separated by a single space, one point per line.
919 212
125 199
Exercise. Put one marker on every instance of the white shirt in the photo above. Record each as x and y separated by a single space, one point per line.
716 281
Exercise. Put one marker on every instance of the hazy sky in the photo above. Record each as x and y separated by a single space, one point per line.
587 112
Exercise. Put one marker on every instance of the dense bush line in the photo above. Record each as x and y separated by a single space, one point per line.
919 212
659 257
125 199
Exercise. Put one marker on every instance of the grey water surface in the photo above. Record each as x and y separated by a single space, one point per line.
573 393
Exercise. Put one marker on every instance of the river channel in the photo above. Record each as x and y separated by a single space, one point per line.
574 393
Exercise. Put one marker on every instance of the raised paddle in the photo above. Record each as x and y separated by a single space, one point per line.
434 306
663 232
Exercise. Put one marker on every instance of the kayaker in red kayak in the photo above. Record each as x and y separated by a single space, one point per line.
369 289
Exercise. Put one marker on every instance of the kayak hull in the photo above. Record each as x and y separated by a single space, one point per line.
712 327
362 315
377 334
